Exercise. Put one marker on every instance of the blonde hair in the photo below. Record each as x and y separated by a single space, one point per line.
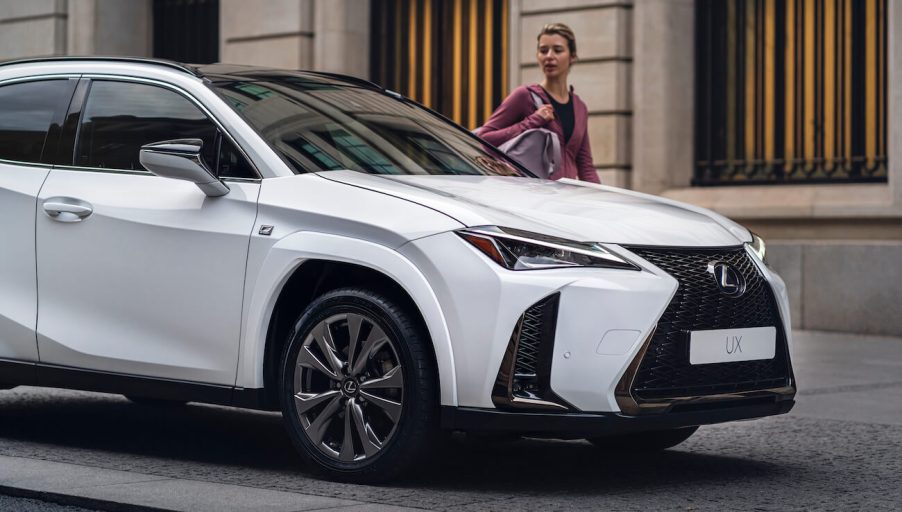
561 30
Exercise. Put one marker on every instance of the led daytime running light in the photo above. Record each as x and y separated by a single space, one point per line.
521 250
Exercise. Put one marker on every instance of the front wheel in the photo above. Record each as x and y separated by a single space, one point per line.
651 441
359 387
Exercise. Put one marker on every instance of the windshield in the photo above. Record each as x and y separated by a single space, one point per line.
320 126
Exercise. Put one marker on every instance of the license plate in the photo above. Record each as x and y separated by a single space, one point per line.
732 345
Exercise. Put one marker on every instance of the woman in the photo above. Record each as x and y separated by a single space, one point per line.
563 112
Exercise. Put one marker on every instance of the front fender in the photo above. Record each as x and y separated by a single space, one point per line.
284 257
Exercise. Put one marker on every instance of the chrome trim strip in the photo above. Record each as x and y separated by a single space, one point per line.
26 164
39 78
102 169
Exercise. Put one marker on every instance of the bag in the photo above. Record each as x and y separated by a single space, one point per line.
537 149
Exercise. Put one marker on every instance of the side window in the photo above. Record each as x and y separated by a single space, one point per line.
27 110
232 163
120 117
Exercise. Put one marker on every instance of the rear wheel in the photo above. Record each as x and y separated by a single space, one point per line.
651 441
358 386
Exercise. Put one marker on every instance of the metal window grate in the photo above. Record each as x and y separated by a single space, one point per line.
449 55
791 91
186 30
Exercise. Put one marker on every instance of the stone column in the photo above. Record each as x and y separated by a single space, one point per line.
32 29
326 35
109 27
277 33
341 44
663 94
894 137
601 77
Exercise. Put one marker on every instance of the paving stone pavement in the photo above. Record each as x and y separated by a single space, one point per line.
816 458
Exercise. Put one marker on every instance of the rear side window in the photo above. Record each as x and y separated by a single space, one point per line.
120 117
27 111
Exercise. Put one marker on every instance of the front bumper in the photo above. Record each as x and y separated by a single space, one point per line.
585 425
605 322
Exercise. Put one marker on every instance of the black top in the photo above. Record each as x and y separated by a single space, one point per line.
564 112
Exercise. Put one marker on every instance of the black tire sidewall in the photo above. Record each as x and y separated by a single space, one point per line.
418 414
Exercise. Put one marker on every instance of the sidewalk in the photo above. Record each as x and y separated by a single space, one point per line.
842 377
848 377
105 489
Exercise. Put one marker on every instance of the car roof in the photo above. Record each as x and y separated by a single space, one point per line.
216 73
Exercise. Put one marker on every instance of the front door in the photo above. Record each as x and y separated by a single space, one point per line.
139 274
30 114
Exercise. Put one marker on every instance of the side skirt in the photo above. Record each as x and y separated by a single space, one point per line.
25 373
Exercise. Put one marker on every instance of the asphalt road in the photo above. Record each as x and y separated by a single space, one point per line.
840 449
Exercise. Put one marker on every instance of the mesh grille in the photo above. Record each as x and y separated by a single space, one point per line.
527 358
698 304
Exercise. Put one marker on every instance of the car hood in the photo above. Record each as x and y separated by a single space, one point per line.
567 208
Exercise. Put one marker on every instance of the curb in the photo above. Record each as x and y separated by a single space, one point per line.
77 501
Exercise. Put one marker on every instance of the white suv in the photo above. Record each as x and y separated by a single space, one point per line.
314 244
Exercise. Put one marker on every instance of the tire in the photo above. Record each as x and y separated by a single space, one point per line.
381 403
652 441
154 402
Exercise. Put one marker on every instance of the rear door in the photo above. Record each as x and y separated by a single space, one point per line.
138 274
31 113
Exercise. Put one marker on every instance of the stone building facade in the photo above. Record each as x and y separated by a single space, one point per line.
838 245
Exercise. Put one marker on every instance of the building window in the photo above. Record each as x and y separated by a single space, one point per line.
791 91
449 55
186 30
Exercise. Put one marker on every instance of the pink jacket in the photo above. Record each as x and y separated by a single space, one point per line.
518 113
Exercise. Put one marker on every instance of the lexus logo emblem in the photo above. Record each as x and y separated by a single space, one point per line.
728 279
349 387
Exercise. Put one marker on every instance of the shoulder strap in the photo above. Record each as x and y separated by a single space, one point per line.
536 99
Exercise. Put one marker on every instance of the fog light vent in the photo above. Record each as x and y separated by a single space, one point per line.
524 379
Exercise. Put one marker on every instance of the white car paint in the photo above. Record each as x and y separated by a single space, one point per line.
19 186
567 210
162 281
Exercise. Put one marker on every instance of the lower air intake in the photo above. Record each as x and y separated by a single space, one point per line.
524 379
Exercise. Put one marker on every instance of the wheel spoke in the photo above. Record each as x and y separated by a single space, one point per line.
308 360
371 444
347 445
354 324
303 402
371 345
317 428
391 380
393 409
323 336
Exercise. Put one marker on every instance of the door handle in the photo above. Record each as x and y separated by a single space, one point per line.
67 209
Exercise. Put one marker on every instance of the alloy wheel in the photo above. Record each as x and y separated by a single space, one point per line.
348 387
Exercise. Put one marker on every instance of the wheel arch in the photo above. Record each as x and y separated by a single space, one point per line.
305 265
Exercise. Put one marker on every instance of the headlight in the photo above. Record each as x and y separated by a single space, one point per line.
521 250
757 246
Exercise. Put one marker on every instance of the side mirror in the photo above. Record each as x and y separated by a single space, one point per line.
181 160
